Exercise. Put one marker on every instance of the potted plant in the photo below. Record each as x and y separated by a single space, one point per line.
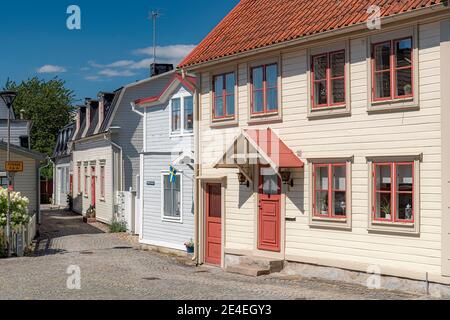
324 206
90 216
190 246
386 209
408 89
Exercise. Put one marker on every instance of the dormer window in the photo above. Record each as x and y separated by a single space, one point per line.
182 115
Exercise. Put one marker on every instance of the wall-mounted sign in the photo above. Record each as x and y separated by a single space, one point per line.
151 183
14 166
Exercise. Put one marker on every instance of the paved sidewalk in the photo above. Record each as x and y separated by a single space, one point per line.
112 268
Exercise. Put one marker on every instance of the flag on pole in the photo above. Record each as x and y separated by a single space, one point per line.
173 174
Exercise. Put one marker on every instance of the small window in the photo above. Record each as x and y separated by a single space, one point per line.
392 70
330 190
86 180
102 181
176 115
393 192
24 142
188 114
172 202
4 180
264 80
224 96
328 79
79 179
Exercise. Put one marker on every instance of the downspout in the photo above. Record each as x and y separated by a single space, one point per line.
120 185
133 107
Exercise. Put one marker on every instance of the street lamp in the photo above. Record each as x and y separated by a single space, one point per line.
8 97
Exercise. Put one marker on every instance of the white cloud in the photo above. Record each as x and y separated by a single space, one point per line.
172 53
116 73
117 64
48 68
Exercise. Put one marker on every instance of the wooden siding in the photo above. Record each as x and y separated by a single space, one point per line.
162 150
18 129
96 150
130 136
361 134
26 182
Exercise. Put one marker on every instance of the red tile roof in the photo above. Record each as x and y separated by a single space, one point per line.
258 23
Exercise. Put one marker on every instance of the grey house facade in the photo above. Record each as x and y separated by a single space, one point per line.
106 147
62 170
167 160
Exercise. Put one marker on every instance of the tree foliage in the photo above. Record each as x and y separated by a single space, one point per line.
48 104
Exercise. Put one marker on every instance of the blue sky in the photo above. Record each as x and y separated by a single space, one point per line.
111 49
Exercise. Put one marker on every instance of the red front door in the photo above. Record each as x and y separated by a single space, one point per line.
213 245
93 202
269 217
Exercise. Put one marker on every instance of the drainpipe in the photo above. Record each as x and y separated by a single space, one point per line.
133 108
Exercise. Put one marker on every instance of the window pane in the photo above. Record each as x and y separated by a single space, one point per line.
322 178
339 200
404 206
272 76
176 115
405 178
338 91
337 64
320 93
322 203
320 68
382 56
258 78
230 105
230 83
383 178
172 200
219 107
403 50
339 178
383 85
383 208
272 100
404 82
258 101
270 184
218 86
188 114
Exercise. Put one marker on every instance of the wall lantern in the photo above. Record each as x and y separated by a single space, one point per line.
286 176
243 181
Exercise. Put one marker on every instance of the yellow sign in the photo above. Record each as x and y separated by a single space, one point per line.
14 166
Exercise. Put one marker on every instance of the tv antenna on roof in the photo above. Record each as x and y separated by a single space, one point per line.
154 14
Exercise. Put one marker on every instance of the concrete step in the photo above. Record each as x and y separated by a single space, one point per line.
251 271
272 265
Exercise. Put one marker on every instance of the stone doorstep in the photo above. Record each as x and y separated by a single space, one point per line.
255 267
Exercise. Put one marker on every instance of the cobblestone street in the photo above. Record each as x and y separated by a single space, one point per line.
112 268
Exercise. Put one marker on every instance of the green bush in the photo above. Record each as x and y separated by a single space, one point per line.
118 226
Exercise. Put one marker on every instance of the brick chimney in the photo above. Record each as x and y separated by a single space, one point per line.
87 103
81 115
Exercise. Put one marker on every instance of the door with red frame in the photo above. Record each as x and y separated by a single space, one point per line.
213 224
93 195
269 212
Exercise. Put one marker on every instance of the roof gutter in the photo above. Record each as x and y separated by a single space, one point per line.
440 8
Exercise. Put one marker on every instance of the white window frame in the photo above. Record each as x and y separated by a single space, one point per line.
412 228
3 175
183 132
163 216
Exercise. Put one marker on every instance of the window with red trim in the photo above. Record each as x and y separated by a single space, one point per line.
79 179
102 181
330 190
86 177
328 79
224 96
264 84
392 64
393 192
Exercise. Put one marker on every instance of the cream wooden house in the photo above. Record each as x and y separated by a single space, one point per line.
324 140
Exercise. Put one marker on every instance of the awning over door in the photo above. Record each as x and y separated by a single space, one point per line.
259 147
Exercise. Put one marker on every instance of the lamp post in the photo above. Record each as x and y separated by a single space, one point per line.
8 97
